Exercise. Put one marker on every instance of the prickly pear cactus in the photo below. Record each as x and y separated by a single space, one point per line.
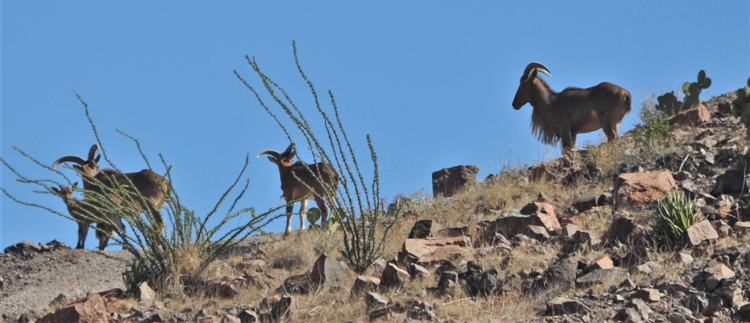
313 215
692 90
668 104
741 106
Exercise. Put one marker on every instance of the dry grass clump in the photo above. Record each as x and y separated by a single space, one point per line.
301 248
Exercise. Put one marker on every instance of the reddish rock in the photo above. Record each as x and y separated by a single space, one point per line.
449 181
691 117
393 276
641 189
362 285
545 212
89 309
701 231
516 221
601 262
434 249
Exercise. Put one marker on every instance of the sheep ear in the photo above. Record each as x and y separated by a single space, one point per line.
55 189
273 160
75 184
97 158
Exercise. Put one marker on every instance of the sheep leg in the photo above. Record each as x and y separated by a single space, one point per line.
568 139
302 214
289 209
610 130
83 231
156 215
323 211
103 232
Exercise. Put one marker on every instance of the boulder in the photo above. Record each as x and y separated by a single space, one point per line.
146 295
424 228
642 189
433 250
700 232
650 295
393 276
449 181
601 262
483 284
448 283
731 182
363 284
561 274
516 221
374 300
691 117
284 308
713 276
89 309
418 271
625 230
586 202
327 269
537 232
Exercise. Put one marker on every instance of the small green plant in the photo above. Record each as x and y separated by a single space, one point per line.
654 135
669 104
674 215
741 106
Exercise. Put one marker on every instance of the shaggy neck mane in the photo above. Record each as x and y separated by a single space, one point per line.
547 131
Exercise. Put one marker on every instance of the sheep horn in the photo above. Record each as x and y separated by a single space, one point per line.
92 151
74 159
269 152
290 150
535 66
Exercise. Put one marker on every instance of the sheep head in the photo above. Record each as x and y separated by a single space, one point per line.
88 166
285 159
525 91
65 192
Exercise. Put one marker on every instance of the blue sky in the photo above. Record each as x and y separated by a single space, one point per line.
431 82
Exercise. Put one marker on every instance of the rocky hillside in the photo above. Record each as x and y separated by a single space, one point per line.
568 240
